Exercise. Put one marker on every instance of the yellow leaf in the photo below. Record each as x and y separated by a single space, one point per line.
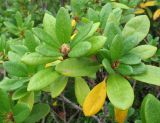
147 4
142 5
120 115
74 34
139 11
1 62
48 65
150 3
156 14
95 99
73 23
54 103
72 37
52 63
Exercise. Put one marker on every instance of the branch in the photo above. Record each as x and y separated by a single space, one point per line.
64 112
134 84
54 117
71 118
102 119
62 98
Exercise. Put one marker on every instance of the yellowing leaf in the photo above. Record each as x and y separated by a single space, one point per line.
52 63
54 103
142 5
120 115
48 65
150 3
72 37
147 4
73 23
28 99
156 14
139 11
95 99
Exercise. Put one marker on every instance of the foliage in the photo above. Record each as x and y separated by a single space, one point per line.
88 56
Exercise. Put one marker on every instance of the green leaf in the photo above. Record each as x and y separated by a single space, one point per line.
127 17
1 119
19 19
3 43
15 68
144 51
133 3
119 5
58 86
19 93
139 68
21 112
37 59
150 109
47 50
92 31
30 41
42 79
77 67
39 111
130 42
11 28
4 102
19 49
104 14
14 56
138 121
92 15
119 92
150 76
63 26
80 49
45 37
28 99
130 58
78 6
81 90
103 54
107 65
137 26
115 16
49 25
12 84
82 33
110 31
125 69
116 48
97 43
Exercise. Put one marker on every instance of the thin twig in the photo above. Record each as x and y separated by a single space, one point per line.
54 117
78 119
64 111
158 95
43 120
6 4
102 119
53 113
134 84
62 98
62 2
71 118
